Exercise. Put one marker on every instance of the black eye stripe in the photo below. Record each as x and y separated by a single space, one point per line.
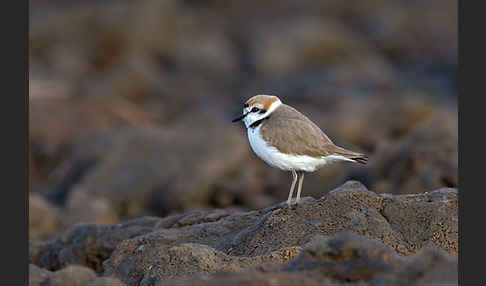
259 110
246 105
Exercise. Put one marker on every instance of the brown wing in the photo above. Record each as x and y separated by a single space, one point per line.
292 132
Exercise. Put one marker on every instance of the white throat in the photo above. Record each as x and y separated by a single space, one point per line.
252 117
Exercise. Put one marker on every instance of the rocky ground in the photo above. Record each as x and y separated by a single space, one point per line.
139 177
351 236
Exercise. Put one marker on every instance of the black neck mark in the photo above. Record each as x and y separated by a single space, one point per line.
258 122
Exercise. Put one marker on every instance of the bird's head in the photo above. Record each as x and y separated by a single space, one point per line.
258 107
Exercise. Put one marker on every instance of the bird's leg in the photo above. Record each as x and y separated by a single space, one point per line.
299 189
294 174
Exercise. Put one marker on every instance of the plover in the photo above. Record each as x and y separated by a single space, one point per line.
286 139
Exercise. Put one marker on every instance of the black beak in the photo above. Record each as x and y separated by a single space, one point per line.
239 118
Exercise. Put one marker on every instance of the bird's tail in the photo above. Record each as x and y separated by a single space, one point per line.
360 158
354 156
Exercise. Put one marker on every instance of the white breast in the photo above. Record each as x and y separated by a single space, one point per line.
286 162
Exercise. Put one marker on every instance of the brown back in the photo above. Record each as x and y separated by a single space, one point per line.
291 132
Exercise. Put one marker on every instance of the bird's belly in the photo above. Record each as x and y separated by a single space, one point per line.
283 161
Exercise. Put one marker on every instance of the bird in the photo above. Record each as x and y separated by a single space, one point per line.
286 139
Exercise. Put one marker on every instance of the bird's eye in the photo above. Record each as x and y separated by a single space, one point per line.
255 109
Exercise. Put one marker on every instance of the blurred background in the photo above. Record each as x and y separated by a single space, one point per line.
131 101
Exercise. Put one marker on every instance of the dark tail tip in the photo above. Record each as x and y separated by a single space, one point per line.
362 159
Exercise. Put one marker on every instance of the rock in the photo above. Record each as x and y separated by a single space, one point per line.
380 231
432 216
72 275
350 207
287 47
427 35
38 276
183 260
44 219
162 175
417 163
83 207
84 244
429 266
58 125
105 281
250 278
346 257
340 260
216 240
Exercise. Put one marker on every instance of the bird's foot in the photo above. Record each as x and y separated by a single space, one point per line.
293 204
